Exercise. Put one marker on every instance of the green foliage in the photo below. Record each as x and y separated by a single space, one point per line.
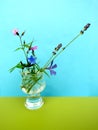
19 66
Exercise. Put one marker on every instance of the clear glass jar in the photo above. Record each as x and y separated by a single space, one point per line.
33 85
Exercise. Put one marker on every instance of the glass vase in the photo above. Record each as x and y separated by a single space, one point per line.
33 85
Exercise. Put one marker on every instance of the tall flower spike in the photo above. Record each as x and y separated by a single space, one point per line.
86 26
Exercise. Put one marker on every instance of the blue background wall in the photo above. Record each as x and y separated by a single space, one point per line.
50 22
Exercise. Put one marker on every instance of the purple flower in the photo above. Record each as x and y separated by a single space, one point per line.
32 60
51 67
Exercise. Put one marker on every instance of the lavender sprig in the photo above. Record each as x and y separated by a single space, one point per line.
54 55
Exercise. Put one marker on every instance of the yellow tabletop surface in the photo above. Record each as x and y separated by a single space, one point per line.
58 113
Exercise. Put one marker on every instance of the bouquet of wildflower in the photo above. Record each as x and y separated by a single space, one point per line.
31 69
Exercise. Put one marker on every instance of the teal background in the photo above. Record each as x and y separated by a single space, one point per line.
50 22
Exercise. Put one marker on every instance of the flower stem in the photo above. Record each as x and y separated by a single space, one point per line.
63 48
66 46
23 48
48 62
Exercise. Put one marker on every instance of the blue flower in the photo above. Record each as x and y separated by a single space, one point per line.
51 67
32 60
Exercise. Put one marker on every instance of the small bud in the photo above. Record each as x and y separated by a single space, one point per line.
81 32
24 42
64 48
54 53
17 33
23 33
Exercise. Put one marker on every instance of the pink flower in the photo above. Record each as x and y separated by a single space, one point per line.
15 32
33 48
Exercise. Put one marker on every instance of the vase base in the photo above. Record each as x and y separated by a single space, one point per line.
34 103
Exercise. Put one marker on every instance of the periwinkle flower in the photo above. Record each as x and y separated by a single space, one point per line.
51 67
32 60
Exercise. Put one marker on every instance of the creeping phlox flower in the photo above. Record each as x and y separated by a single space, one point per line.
51 67
33 48
15 32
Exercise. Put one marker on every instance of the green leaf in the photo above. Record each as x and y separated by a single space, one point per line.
12 69
26 45
31 43
16 66
19 48
19 65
